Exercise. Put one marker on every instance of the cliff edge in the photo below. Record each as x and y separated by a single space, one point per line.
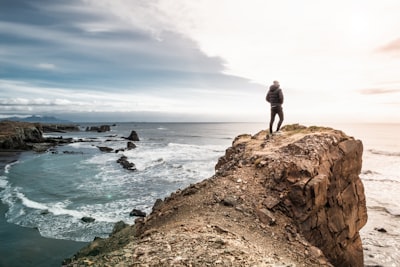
293 199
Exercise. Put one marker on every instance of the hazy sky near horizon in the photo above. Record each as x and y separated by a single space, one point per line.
176 60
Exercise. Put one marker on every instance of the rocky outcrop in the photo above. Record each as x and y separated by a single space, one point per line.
133 136
105 149
60 128
313 179
130 145
293 199
16 135
99 129
27 136
123 161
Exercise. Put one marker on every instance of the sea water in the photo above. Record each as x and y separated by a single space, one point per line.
52 191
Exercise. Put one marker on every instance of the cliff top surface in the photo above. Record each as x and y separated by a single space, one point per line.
251 213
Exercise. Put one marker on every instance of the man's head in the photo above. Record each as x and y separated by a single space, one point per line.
276 83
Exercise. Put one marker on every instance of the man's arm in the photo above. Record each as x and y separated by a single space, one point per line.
280 96
268 96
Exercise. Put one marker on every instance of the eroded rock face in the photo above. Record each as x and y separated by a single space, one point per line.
16 135
314 179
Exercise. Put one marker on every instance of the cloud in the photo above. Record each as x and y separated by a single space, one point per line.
106 50
391 47
46 66
378 91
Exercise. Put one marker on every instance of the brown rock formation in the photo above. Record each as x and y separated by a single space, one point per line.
274 201
26 136
16 135
314 179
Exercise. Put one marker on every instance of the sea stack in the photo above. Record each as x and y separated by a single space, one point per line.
294 199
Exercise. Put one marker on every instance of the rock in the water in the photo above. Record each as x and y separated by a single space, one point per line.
133 136
60 128
44 212
88 219
123 160
381 229
130 145
137 213
105 149
99 129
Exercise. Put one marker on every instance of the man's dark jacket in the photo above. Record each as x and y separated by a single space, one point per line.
275 96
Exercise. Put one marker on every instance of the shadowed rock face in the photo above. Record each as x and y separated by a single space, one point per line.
293 199
27 136
312 175
15 135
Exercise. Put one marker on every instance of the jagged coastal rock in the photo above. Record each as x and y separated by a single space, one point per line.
27 136
123 161
133 136
16 135
60 128
293 199
99 129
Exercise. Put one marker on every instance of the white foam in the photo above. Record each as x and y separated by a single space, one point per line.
3 182
100 159
56 209
7 168
81 145
30 203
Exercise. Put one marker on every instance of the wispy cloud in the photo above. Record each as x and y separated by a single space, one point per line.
378 91
393 46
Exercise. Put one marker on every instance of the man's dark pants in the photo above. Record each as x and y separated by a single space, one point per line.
276 110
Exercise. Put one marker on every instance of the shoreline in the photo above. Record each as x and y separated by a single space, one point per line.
25 247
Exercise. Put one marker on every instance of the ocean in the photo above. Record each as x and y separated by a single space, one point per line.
52 191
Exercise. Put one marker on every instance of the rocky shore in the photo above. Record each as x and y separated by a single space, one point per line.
292 199
22 136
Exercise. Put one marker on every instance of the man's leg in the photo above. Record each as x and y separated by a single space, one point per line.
280 114
271 122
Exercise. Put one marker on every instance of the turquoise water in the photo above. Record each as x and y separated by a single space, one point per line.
52 191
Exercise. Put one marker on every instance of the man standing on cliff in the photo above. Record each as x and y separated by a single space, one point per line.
275 98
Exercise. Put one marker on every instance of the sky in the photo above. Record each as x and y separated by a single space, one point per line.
204 60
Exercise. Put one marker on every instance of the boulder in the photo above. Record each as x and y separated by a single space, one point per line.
133 136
